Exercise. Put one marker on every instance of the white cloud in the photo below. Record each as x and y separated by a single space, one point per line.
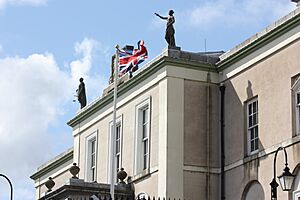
82 67
4 3
34 91
236 12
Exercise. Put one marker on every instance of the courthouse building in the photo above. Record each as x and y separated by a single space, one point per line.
193 125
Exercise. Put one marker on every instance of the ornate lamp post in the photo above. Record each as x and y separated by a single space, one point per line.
285 179
10 184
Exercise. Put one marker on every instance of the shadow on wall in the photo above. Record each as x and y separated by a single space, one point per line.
236 132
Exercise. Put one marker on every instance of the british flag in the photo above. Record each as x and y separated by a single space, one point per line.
130 58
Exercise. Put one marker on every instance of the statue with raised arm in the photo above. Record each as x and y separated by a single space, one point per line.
170 31
81 93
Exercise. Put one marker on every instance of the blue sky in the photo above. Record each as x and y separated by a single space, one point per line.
46 45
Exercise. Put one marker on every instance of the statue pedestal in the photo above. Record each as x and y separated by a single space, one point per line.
172 51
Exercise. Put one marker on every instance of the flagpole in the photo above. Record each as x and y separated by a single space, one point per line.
113 149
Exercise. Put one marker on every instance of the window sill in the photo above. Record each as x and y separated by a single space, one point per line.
144 174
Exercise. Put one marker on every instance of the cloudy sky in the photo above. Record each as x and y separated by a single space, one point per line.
46 45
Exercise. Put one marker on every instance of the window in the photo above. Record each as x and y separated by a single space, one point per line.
118 147
145 137
142 150
297 112
91 157
296 103
252 125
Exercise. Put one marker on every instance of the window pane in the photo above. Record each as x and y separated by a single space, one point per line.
250 109
298 98
118 162
254 119
93 160
93 146
93 174
118 131
256 144
252 134
254 106
145 163
117 146
145 115
145 131
252 145
256 132
145 147
250 121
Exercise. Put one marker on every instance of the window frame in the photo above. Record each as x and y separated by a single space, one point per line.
296 104
297 110
89 176
254 127
119 122
139 150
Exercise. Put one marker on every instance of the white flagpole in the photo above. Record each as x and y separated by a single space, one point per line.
113 136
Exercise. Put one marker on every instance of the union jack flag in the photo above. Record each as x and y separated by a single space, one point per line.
129 59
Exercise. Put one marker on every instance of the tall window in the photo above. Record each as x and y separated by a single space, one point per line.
118 148
297 112
252 123
296 103
142 146
91 157
145 137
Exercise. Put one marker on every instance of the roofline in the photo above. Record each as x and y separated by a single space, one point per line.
281 26
144 73
61 159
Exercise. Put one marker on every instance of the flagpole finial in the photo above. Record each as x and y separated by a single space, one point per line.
117 46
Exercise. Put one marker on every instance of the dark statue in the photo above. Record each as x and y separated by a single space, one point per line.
81 93
170 31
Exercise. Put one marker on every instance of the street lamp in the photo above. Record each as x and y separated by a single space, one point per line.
285 179
10 184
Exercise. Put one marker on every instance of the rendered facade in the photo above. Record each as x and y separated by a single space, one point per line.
196 125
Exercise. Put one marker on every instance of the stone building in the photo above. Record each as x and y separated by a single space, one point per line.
193 125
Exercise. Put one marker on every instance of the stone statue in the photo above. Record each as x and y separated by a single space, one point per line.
170 31
81 93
